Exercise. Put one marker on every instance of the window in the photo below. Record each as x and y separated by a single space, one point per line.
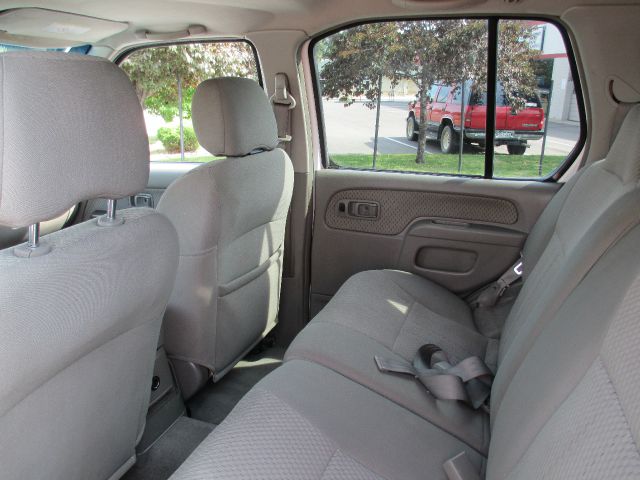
166 77
433 92
443 94
412 96
537 122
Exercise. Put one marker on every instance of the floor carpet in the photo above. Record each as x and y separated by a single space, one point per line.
214 402
170 450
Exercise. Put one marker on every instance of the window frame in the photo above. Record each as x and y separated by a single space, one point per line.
123 54
492 53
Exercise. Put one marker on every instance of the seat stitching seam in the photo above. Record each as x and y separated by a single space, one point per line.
324 470
619 403
401 329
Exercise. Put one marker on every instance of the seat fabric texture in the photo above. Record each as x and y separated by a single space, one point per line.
391 314
230 215
304 421
564 400
571 411
81 313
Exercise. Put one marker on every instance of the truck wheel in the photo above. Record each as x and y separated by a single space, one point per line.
516 149
412 129
448 139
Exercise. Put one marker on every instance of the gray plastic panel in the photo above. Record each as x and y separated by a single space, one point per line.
495 232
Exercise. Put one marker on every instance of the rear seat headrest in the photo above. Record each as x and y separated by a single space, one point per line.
623 158
233 117
72 130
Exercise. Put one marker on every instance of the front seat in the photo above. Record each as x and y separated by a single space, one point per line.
230 215
80 309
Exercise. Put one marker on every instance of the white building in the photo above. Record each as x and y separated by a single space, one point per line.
564 105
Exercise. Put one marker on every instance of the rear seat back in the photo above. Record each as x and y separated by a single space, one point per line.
594 209
571 410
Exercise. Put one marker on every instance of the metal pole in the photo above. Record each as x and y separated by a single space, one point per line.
181 120
462 114
34 236
111 209
546 125
375 139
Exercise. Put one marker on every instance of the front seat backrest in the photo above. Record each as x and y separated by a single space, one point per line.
230 215
80 309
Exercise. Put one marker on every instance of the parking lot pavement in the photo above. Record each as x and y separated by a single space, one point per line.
351 130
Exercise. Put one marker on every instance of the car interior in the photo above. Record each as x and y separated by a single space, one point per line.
317 239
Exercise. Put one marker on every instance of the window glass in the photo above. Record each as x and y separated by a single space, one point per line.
411 96
443 93
166 77
537 116
433 92
378 82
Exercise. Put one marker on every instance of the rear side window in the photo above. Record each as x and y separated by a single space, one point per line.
443 93
479 97
166 77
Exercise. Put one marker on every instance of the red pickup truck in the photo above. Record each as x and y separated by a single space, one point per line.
444 113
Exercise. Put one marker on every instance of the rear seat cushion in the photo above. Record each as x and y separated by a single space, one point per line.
351 353
383 312
304 421
402 311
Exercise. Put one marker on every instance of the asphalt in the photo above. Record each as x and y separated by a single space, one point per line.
351 130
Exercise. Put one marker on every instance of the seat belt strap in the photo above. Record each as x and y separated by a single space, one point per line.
469 381
460 468
490 295
283 103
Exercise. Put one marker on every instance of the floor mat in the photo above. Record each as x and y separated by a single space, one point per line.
214 402
170 450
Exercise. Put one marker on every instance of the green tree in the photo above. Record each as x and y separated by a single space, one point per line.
450 51
155 71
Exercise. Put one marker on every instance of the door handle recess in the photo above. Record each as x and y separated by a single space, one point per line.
359 209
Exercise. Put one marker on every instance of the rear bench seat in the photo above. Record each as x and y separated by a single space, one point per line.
564 400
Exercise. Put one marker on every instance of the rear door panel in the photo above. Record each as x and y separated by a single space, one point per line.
461 233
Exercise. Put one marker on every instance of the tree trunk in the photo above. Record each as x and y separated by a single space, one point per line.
422 132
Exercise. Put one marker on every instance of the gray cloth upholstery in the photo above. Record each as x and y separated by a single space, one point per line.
230 215
571 411
72 129
80 327
79 320
400 311
304 421
233 117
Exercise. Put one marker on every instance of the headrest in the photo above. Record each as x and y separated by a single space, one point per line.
72 130
623 158
233 117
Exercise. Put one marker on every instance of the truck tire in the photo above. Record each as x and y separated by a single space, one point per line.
448 139
516 149
412 129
